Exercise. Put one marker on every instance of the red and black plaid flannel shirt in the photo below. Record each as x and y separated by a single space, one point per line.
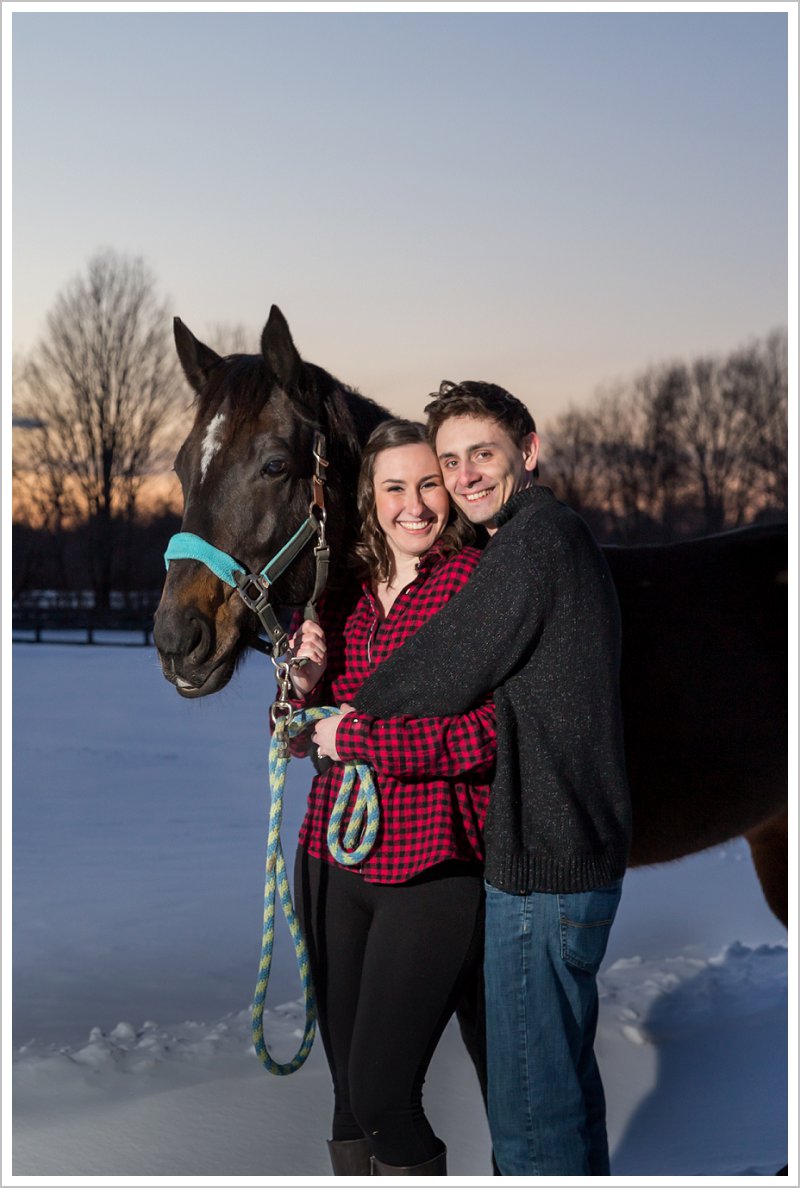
432 774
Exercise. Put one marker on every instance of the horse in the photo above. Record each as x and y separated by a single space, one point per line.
246 471
704 624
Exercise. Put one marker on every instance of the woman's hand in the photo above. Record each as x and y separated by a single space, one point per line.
308 643
324 734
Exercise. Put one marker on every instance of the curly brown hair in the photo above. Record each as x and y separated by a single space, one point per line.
476 398
372 549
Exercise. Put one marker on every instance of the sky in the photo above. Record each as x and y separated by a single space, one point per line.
552 201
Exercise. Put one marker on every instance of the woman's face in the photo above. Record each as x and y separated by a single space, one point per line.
411 502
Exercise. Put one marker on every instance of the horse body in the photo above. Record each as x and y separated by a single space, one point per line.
704 622
704 690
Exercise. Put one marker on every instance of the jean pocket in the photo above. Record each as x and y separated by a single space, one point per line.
585 920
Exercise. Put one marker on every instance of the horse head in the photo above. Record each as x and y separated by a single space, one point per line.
246 471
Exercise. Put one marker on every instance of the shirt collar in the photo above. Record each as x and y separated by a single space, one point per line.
425 564
433 556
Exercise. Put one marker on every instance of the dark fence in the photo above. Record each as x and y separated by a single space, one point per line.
49 620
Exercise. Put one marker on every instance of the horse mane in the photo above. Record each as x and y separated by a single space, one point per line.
349 416
344 414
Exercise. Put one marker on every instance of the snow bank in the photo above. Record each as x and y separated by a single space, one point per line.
139 826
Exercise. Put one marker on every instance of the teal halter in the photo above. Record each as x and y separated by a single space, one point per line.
253 588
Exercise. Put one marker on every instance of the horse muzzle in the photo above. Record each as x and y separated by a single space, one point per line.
199 686
197 631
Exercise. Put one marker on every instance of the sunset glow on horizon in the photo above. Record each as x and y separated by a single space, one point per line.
551 201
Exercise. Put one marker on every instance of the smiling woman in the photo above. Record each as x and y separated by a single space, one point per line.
403 504
408 918
411 504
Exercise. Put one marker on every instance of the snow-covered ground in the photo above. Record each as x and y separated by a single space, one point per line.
139 832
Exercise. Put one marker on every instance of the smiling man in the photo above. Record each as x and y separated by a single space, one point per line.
537 624
483 461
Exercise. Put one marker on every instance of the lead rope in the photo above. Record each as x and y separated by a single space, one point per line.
358 840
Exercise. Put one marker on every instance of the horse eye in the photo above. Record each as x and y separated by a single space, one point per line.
273 468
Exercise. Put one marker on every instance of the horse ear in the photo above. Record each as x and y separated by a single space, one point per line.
279 351
196 358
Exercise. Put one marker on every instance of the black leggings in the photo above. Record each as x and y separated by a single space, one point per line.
389 963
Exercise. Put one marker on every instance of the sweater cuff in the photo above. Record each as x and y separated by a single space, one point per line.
352 736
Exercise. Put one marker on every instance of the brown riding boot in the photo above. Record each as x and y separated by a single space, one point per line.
350 1157
434 1167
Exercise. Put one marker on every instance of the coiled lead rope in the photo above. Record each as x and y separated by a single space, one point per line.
358 840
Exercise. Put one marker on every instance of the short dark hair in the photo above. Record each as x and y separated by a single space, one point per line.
476 398
371 549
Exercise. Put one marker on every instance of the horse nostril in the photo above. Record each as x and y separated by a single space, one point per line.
199 642
182 636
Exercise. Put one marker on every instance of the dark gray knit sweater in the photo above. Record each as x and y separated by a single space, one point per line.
538 622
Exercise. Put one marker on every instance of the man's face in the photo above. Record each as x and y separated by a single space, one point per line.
482 466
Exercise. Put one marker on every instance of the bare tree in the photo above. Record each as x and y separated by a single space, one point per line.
713 421
569 448
734 418
600 461
100 387
623 461
683 448
758 377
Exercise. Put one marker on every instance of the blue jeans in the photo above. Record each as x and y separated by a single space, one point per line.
547 1112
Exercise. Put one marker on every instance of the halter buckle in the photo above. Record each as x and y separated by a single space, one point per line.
319 514
253 591
319 455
